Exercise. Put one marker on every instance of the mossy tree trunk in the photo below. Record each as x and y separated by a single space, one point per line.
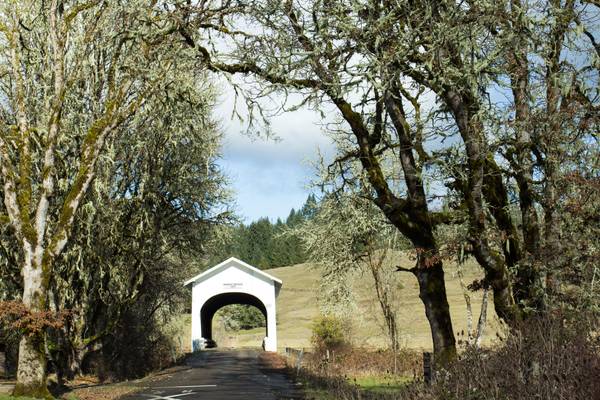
411 215
432 292
465 110
522 162
31 372
561 113
31 367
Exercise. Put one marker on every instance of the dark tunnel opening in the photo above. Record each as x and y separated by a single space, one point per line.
212 305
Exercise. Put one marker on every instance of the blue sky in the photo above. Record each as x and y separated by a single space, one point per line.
269 177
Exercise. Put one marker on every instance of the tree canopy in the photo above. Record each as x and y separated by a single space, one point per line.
489 104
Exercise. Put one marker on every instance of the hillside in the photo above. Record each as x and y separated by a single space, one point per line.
297 307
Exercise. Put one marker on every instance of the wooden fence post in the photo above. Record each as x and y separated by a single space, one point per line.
299 364
3 369
427 367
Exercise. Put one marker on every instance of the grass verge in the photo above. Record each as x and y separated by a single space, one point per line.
381 384
8 397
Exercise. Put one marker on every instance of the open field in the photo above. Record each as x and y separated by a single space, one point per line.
298 306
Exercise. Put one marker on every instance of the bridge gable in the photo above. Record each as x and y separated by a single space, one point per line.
232 269
232 282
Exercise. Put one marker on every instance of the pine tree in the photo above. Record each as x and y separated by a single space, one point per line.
265 244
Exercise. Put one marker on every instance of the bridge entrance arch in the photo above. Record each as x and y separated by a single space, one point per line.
232 282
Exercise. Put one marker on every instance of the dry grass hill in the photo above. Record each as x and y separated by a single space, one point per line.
298 306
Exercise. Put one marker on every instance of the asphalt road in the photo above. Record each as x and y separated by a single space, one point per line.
222 374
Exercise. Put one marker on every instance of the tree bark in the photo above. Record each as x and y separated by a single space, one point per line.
432 292
418 227
482 319
564 15
31 374
413 219
31 368
497 276
521 160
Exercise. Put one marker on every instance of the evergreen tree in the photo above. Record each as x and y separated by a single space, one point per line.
265 244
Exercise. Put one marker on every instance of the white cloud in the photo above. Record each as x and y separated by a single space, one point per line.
270 176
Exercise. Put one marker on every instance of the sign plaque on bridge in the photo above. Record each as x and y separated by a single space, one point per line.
233 285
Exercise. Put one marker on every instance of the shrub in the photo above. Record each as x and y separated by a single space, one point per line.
241 316
135 347
364 362
329 332
551 357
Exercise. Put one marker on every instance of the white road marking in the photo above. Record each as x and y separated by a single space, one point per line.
184 387
174 396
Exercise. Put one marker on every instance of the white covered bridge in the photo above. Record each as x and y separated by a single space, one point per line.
232 282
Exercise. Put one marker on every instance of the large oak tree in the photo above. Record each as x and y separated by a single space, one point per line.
72 73
373 59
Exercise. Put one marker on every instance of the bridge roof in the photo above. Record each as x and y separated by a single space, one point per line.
232 261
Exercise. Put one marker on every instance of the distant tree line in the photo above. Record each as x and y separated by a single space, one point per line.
235 317
265 244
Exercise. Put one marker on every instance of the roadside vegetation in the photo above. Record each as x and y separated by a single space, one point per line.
549 359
